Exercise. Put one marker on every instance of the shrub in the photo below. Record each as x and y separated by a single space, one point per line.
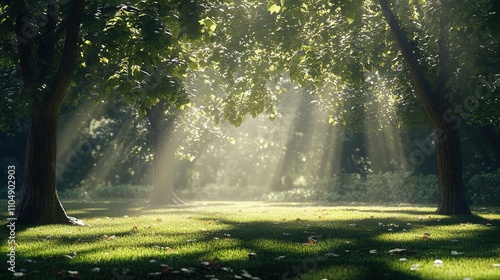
483 189
123 191
221 192
375 188
74 193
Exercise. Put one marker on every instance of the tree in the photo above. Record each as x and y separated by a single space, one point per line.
162 126
451 188
338 44
339 37
39 202
57 45
158 90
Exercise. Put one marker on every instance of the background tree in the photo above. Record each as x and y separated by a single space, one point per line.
57 45
346 40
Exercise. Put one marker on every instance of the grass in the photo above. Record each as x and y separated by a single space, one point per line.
233 240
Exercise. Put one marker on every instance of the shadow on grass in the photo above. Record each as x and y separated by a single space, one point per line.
283 250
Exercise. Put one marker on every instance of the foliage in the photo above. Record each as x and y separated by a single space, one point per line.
269 241
483 189
123 191
212 192
121 48
388 187
107 192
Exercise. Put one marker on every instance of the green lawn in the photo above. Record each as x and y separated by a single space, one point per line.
233 240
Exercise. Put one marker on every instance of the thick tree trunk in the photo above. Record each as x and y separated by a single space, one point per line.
39 203
164 152
163 181
451 191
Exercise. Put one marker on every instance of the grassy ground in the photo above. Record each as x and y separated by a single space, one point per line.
229 240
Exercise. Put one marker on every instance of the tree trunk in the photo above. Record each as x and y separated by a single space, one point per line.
299 139
164 152
451 191
39 203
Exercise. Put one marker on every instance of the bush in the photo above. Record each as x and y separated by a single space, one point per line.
375 188
483 189
296 195
221 192
123 191
76 193
107 191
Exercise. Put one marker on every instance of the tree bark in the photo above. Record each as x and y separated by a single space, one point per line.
451 191
39 203
164 152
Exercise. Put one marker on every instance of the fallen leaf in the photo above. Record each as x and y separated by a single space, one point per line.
331 255
373 251
246 274
187 270
456 253
438 262
311 240
397 250
74 274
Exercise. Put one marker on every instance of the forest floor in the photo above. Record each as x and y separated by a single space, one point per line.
252 240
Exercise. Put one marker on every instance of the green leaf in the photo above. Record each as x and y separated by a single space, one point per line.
209 23
273 8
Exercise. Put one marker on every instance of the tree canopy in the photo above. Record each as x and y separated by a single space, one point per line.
413 63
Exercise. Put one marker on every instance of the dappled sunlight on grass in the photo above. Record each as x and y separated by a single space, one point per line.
270 241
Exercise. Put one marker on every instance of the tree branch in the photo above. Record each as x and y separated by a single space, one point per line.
443 54
46 46
68 57
433 103
23 29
